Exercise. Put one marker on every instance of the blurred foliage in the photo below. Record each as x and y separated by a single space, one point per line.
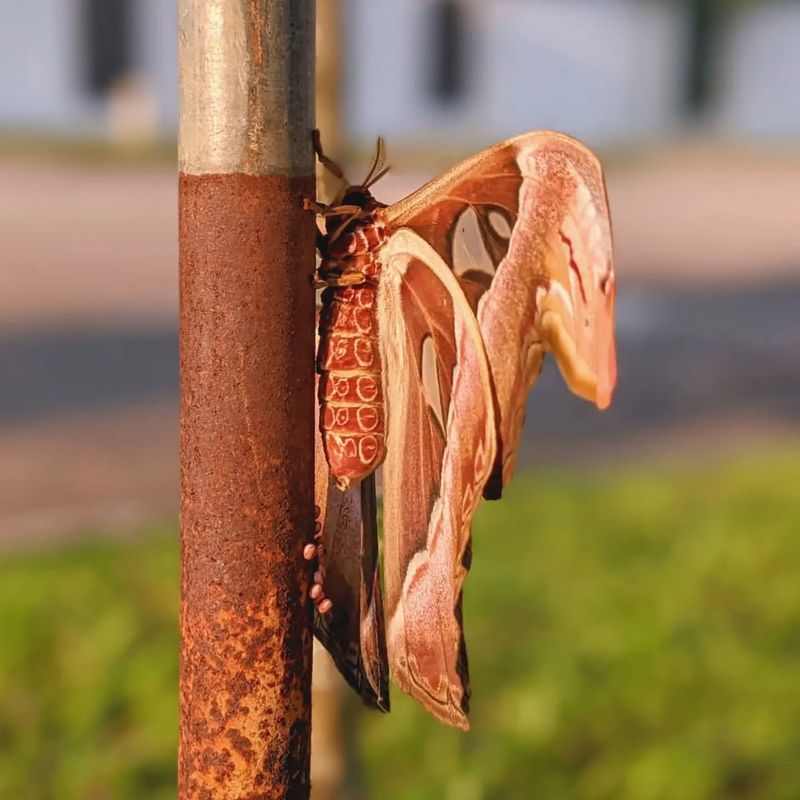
36 145
632 636
88 672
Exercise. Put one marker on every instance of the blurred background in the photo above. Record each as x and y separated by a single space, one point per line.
633 612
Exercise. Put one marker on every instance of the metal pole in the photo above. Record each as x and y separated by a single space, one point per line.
328 761
247 393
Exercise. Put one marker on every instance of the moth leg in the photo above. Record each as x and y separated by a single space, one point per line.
326 162
339 210
346 279
313 205
321 210
315 552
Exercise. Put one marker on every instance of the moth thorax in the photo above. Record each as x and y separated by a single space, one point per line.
356 248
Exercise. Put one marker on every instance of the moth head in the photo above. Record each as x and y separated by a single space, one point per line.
357 196
576 323
354 201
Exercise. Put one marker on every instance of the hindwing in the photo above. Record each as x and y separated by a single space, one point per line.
440 451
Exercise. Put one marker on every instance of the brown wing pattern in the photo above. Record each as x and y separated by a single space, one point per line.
353 630
505 257
525 227
441 445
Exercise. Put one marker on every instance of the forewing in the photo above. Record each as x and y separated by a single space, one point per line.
353 630
441 439
524 226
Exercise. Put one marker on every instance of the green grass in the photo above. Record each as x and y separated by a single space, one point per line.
80 149
88 672
633 636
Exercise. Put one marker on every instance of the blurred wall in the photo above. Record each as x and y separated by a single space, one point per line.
606 70
40 67
43 52
610 71
155 51
760 72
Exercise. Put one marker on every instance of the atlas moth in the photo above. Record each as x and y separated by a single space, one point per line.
436 315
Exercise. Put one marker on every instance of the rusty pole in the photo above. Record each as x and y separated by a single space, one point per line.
247 391
329 760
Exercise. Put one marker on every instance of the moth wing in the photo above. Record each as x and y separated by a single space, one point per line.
524 225
441 439
353 630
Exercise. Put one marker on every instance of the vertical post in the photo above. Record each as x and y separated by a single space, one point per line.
329 80
247 393
328 740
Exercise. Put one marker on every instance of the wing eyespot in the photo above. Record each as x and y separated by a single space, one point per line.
500 225
469 250
429 372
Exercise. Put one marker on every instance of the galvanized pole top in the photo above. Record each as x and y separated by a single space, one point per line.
246 86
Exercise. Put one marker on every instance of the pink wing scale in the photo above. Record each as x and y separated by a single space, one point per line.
427 531
503 258
548 189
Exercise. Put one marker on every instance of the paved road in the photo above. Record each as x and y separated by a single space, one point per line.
60 372
686 357
88 417
682 353
88 348
97 243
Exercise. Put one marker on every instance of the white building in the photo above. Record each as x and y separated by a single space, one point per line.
603 70
759 80
609 71
61 59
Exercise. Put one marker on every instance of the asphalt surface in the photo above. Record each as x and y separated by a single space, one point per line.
683 353
708 330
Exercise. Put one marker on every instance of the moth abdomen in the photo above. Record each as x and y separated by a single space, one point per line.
350 388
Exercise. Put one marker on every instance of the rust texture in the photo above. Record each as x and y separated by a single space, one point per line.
247 474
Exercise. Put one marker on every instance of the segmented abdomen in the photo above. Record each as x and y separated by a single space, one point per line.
350 388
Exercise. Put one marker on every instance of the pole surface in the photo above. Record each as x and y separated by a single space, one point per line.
329 740
247 393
